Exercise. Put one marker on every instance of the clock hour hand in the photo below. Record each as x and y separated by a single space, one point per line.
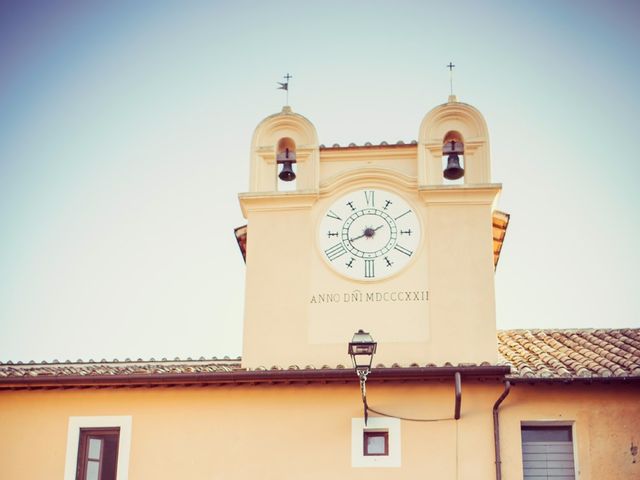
368 232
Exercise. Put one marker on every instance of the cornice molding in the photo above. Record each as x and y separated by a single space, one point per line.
484 194
273 201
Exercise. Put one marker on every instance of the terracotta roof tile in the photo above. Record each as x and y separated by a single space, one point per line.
571 353
369 144
531 354
118 368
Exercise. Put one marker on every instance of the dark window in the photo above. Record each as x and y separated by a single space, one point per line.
98 454
376 443
547 452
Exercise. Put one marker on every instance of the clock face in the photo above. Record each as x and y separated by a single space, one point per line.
369 234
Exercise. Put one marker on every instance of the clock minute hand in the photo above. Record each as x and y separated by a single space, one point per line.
368 232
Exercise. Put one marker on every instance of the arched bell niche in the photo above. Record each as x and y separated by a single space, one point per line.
453 158
463 124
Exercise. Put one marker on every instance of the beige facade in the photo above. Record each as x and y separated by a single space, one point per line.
531 403
302 431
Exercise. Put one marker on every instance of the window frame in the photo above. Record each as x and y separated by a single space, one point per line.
76 424
367 433
86 435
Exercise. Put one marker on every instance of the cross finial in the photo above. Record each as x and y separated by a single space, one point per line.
450 67
285 85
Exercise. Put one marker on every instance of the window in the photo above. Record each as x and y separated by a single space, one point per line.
376 442
98 448
547 452
98 454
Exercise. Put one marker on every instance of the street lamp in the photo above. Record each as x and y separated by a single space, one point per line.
361 348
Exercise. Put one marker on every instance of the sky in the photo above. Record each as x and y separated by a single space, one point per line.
125 130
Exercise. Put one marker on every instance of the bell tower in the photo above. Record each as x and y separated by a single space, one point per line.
462 292
395 239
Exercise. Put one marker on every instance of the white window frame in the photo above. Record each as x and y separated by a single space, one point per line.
390 425
73 437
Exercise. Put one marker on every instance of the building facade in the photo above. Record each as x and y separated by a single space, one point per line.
401 241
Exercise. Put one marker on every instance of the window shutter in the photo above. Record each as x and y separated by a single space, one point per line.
546 454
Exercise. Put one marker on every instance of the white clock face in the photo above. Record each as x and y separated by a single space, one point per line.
369 234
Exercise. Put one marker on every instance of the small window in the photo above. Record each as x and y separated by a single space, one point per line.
98 453
547 452
376 442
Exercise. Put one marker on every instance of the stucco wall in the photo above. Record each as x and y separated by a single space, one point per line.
606 419
304 431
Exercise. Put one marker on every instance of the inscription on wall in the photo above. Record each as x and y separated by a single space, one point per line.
359 296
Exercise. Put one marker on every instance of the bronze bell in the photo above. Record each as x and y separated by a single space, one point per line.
287 174
453 171
287 159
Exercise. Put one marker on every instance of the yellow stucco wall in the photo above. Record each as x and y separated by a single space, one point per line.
304 431
454 263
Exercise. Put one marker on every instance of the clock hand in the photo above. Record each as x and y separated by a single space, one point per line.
368 232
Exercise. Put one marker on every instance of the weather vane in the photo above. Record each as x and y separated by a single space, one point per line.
285 85
450 67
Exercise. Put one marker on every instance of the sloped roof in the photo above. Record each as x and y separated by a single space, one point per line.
500 222
531 355
601 353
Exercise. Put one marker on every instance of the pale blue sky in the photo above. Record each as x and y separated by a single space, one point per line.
125 131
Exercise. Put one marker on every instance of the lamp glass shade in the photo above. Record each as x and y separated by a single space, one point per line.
361 348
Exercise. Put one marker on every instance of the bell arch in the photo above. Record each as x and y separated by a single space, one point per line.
453 121
274 135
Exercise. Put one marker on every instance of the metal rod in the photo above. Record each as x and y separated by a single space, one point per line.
496 428
458 380
362 374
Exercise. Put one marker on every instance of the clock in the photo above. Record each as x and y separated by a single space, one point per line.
369 234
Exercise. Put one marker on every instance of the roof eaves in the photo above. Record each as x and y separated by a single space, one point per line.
242 376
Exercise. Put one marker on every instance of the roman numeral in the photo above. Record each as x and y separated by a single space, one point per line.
408 211
368 269
336 251
368 196
332 214
401 249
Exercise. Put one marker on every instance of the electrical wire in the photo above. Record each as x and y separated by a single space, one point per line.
410 419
